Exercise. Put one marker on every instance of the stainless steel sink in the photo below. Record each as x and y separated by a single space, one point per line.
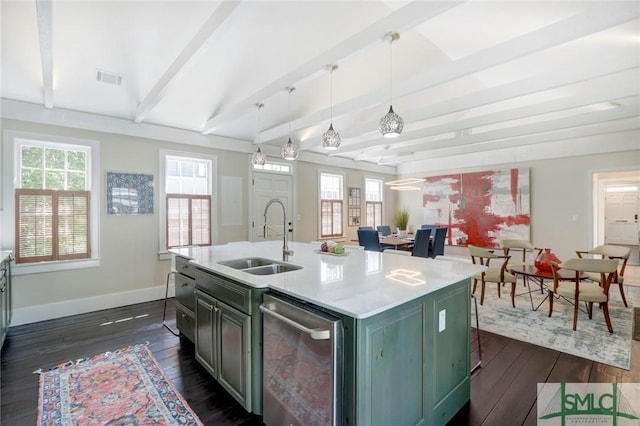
247 262
276 268
259 265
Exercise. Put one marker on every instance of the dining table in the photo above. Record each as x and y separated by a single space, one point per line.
539 276
396 242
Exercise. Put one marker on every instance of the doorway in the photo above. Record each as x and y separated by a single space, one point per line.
617 209
267 186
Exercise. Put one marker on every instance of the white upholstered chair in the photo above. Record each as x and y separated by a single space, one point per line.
584 291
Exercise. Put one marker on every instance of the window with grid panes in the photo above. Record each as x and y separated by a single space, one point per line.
373 189
188 201
331 200
52 202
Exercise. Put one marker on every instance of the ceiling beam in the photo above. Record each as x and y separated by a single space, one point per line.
596 92
561 138
547 128
598 17
403 19
211 25
45 36
553 79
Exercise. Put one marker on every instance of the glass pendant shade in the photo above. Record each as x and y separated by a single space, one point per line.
289 151
258 158
331 139
391 124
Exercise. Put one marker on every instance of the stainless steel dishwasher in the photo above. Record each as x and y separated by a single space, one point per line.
302 364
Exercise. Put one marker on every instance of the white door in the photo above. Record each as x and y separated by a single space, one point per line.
267 186
621 217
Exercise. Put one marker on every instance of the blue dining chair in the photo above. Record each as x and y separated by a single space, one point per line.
425 226
384 230
369 239
437 244
421 243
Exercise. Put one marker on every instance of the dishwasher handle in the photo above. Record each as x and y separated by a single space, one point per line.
316 334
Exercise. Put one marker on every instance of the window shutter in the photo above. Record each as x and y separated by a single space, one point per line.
73 225
177 220
35 224
201 220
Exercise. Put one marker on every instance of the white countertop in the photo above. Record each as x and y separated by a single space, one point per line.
360 284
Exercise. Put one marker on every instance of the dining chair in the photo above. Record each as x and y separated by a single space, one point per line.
607 251
493 274
584 291
436 248
421 243
526 248
384 230
369 239
427 226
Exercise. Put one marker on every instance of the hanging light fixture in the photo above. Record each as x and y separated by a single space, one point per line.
259 158
391 124
331 139
289 150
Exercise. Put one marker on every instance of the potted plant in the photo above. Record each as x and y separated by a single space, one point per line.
401 220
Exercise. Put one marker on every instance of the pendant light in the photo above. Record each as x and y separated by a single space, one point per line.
259 158
391 124
331 139
289 150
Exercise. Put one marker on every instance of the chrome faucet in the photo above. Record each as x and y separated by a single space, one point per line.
285 247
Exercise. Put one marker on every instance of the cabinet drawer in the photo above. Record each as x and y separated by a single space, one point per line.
184 267
185 291
225 290
186 321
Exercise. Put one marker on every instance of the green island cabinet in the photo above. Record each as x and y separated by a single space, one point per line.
408 365
228 336
185 288
5 294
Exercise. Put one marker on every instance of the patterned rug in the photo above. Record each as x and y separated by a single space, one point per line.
591 340
125 387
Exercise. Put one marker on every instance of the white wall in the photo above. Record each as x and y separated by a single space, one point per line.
561 197
130 270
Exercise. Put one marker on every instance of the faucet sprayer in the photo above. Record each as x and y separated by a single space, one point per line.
285 247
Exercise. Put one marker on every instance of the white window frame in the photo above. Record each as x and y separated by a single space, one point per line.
319 208
12 140
382 219
163 253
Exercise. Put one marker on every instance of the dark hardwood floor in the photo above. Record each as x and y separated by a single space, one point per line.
503 391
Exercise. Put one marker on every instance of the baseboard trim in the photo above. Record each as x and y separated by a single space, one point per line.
49 311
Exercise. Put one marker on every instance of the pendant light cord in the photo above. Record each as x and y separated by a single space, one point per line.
331 94
391 70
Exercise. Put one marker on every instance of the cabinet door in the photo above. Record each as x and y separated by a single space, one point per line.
234 366
205 328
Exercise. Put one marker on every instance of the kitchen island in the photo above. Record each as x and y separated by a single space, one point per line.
406 326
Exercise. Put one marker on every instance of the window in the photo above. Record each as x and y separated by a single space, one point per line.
331 195
187 192
373 189
49 183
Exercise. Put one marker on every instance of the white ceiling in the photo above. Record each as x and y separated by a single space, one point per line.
467 76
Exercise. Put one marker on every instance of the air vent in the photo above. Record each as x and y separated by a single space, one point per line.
109 77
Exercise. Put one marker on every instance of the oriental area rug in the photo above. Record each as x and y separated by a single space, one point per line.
591 340
124 387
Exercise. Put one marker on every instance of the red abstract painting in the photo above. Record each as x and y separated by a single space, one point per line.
479 208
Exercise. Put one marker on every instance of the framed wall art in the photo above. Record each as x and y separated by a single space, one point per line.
479 208
129 193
